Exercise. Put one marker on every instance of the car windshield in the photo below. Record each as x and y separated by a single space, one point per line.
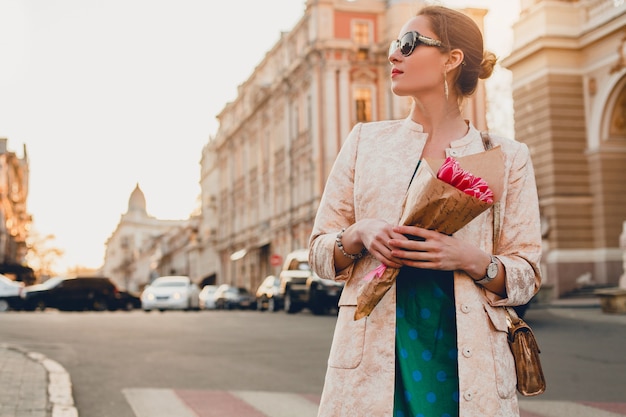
164 283
304 266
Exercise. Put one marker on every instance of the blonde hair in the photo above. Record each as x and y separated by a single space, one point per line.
458 31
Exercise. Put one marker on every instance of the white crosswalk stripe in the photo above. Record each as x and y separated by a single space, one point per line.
150 402
156 403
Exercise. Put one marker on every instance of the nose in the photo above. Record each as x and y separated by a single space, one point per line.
393 58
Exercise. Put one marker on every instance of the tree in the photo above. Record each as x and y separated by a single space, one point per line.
42 255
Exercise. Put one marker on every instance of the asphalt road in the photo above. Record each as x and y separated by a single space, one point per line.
218 350
109 352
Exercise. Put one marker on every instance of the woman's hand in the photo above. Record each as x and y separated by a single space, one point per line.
428 249
375 235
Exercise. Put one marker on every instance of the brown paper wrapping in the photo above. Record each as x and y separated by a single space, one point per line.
436 205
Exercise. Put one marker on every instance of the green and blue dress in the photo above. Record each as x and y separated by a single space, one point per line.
427 382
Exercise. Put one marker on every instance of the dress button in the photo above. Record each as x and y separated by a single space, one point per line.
467 352
468 396
454 152
465 308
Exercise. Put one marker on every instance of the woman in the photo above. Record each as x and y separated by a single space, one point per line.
435 345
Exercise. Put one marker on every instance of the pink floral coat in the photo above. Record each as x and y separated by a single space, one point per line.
368 180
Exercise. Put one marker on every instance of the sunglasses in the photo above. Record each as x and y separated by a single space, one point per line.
410 41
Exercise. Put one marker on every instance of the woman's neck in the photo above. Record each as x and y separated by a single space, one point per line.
442 127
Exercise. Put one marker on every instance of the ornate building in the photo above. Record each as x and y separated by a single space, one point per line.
15 220
264 171
143 247
569 90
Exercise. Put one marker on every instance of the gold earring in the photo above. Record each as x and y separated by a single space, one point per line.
445 83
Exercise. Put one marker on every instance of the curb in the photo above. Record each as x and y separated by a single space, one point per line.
60 398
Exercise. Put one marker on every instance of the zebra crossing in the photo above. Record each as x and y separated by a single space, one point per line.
149 402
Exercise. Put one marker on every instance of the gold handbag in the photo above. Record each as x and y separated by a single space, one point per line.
530 379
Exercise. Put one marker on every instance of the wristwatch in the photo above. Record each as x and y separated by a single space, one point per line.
492 272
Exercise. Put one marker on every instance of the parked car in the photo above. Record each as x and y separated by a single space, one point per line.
268 294
18 273
171 293
207 297
300 287
72 294
228 297
10 294
128 301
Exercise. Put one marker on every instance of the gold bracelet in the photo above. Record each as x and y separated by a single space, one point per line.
354 257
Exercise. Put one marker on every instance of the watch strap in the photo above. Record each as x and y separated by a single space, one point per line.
487 279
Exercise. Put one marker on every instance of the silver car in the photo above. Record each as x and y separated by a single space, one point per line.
171 293
207 297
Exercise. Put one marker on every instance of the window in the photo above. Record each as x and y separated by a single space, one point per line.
363 104
361 36
361 33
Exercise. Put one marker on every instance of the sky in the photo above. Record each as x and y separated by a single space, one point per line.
109 94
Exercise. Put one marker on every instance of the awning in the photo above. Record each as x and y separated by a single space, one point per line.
235 256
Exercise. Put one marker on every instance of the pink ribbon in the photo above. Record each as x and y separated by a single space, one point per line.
376 273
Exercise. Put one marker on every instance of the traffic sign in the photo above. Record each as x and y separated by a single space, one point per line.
276 260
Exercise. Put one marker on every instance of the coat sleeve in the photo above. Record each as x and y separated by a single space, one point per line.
336 211
518 246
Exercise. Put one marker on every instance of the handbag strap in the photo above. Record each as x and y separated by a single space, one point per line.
496 206
512 318
511 315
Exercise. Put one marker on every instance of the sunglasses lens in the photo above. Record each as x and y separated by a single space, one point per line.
407 44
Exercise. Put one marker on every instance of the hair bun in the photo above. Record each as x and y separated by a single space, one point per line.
487 65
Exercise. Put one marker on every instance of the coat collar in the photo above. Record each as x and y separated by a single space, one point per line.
472 134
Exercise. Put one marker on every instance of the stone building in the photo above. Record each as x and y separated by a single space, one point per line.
143 247
264 171
569 90
15 220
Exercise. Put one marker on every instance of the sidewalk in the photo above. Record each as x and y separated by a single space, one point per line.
32 385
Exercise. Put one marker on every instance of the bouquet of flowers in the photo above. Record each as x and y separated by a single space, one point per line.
446 201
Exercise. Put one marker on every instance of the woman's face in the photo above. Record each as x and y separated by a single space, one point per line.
420 73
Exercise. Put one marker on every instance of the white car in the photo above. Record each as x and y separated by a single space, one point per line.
10 293
171 293
207 297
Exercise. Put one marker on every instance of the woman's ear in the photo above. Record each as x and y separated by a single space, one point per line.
455 58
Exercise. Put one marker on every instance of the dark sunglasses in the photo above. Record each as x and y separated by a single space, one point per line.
410 41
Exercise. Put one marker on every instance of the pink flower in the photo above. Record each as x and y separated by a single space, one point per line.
452 173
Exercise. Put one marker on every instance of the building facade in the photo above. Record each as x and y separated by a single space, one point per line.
15 220
264 171
569 91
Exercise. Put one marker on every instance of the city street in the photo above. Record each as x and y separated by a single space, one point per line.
123 363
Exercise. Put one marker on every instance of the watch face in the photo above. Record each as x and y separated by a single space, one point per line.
492 270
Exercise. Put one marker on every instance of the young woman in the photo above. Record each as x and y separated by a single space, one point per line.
435 345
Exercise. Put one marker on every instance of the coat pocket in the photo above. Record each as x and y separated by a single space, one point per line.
504 364
346 351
